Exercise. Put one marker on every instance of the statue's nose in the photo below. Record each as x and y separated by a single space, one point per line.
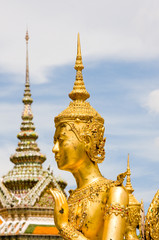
56 147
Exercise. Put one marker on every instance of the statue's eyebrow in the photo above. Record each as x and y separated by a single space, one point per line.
55 138
63 125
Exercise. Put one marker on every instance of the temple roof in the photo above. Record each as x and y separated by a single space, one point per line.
8 199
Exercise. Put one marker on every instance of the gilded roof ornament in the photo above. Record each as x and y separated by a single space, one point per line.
133 208
128 180
129 188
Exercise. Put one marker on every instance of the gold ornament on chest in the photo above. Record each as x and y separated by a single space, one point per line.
80 200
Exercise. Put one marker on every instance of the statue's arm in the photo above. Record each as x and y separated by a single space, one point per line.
115 214
66 230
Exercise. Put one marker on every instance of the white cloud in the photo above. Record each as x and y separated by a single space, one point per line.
111 29
153 101
157 142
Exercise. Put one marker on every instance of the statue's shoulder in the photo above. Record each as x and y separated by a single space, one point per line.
117 192
117 197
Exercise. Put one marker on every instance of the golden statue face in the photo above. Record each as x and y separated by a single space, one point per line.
69 151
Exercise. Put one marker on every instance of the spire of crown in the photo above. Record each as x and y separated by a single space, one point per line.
128 181
79 91
79 108
78 63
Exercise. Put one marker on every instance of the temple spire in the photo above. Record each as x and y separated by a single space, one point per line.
27 150
27 100
79 91
128 180
27 60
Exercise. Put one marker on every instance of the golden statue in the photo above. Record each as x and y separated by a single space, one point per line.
97 209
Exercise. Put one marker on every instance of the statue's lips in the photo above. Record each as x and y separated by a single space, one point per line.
57 158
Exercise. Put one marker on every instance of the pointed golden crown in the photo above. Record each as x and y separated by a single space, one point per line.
79 109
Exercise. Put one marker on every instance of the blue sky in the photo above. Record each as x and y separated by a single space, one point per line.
121 57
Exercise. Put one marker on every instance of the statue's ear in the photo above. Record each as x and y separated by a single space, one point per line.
88 143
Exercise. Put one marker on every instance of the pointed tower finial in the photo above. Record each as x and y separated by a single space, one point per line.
27 60
79 91
128 180
27 36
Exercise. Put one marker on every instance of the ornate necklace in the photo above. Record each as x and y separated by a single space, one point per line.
78 200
